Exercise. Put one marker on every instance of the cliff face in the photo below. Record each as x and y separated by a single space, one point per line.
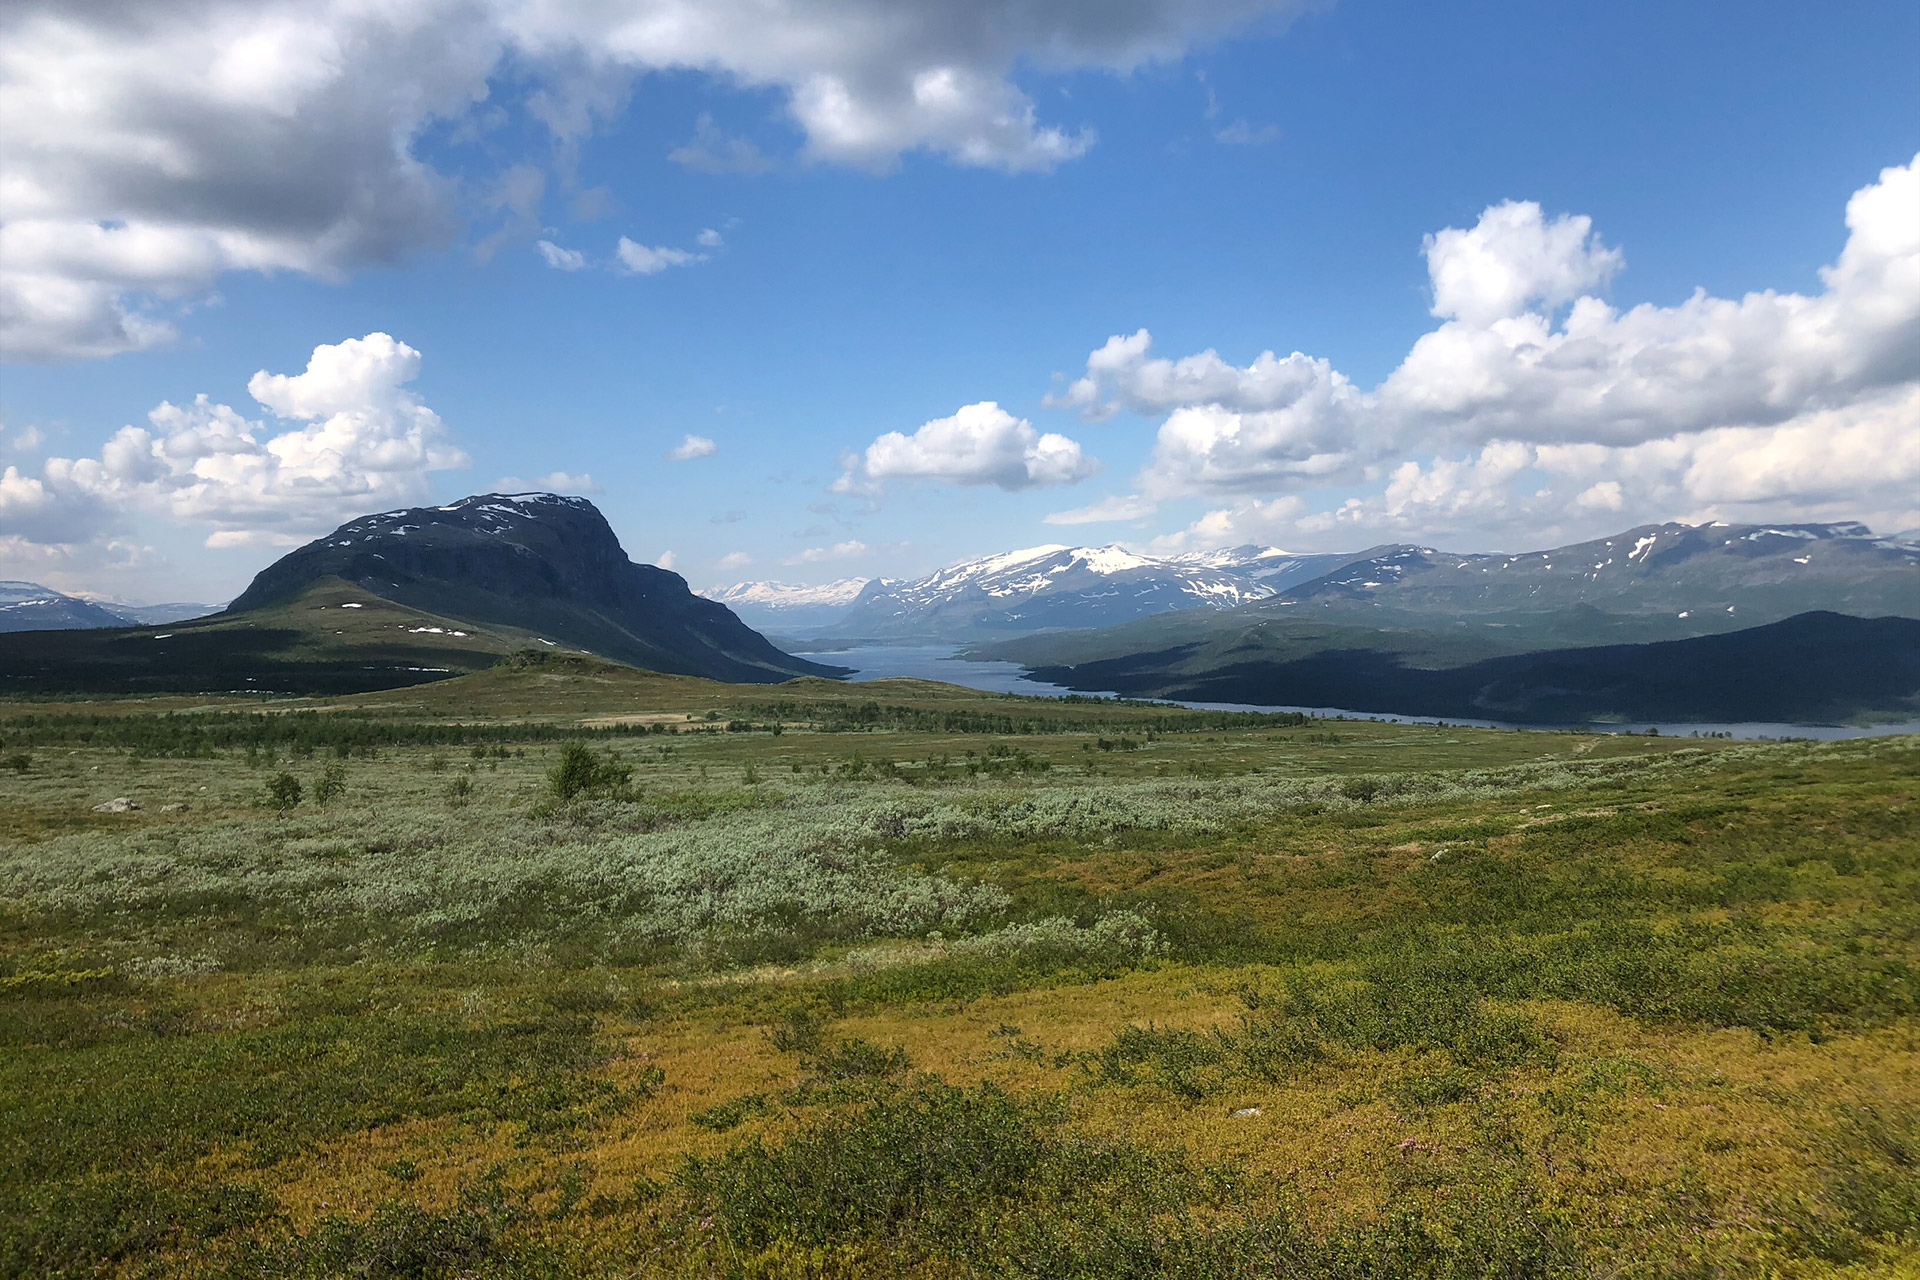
540 562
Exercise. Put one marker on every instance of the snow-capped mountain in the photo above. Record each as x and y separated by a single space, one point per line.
1745 573
1054 587
782 606
28 606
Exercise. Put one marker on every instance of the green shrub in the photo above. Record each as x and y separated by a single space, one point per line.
332 783
283 791
582 773
979 1184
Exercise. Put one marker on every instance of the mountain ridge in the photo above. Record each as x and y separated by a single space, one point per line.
1669 577
1055 585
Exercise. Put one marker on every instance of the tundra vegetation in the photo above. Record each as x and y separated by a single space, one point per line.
502 978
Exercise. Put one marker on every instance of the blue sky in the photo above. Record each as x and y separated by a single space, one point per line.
1234 178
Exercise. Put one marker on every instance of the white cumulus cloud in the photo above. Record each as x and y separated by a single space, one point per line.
982 444
1537 402
350 438
1512 257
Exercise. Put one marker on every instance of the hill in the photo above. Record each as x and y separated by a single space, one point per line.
1811 668
410 596
331 638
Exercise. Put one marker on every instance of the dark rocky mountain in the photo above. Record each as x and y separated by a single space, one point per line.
1812 668
538 563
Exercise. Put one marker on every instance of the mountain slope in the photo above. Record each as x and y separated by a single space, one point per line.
1051 587
330 637
541 563
1812 667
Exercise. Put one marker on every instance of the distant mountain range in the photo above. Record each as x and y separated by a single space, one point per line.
1035 589
1654 582
407 596
28 606
1712 576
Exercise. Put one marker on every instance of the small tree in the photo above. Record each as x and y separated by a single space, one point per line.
332 784
581 772
283 792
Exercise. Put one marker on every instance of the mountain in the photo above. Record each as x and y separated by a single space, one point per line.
409 596
1657 582
158 614
28 606
1710 577
781 606
538 562
1814 667
1052 587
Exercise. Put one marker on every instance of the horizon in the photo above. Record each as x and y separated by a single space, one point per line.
717 590
1320 277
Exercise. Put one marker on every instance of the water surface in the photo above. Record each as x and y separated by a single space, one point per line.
938 662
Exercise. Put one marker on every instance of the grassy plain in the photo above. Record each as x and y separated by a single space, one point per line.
904 980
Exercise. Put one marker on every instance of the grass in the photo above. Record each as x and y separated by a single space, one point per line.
946 989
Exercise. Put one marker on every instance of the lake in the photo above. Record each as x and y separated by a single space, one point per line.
938 662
